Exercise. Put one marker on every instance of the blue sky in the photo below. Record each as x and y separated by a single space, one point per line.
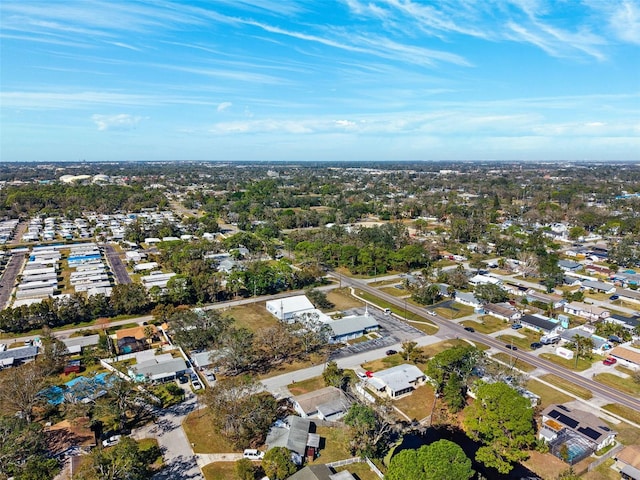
297 80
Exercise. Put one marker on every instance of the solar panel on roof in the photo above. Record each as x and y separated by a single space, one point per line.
562 418
606 429
590 432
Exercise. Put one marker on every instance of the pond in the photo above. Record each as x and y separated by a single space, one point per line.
415 441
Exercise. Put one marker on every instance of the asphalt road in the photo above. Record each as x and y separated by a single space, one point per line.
459 331
117 267
8 279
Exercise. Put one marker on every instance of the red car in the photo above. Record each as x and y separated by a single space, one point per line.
609 361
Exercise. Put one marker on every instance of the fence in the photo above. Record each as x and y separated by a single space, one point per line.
349 461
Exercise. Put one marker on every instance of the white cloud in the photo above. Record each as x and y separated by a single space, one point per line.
223 106
122 121
625 21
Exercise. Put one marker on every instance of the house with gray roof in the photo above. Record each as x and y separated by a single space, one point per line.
15 356
296 436
349 328
582 432
320 472
329 403
598 286
569 265
159 368
539 323
397 381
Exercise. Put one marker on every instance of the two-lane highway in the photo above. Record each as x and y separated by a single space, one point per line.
446 326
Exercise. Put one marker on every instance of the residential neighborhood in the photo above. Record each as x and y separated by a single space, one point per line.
252 346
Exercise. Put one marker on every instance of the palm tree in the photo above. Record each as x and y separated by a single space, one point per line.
582 347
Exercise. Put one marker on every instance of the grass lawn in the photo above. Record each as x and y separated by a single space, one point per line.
487 324
306 386
624 370
220 471
548 395
253 316
627 434
509 360
333 444
385 283
197 427
396 292
342 299
544 465
436 348
388 362
147 444
293 365
361 469
603 472
428 328
521 343
453 310
417 405
583 363
623 384
567 386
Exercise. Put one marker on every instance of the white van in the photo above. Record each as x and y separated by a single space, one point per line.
253 454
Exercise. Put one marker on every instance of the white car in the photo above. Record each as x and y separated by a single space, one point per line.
253 454
111 441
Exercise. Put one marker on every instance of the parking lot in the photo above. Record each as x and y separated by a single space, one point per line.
392 331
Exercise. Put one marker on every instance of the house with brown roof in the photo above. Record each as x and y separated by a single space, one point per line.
70 437
503 311
134 339
628 462
627 356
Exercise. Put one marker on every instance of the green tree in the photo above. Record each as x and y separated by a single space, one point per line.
238 351
453 393
368 431
334 376
124 461
277 463
240 411
427 294
582 347
502 420
129 298
198 330
491 293
245 469
318 298
411 352
458 361
440 460
20 389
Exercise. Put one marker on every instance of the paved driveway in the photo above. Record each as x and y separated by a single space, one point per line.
180 462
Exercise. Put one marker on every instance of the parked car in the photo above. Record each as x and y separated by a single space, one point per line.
609 361
535 345
182 379
511 347
516 326
614 297
252 454
111 441
391 352
470 329
196 385
210 376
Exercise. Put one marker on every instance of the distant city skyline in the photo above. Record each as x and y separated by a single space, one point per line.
348 80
